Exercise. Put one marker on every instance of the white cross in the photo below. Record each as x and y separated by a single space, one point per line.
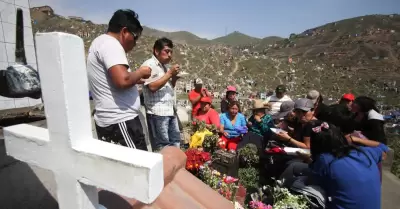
79 162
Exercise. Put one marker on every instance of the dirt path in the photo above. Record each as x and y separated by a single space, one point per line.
236 68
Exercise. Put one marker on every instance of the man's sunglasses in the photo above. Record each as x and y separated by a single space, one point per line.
135 36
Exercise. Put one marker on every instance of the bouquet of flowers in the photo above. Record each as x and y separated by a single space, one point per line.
195 159
278 196
227 186
259 205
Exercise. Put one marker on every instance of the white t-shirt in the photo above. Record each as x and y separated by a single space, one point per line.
113 105
276 103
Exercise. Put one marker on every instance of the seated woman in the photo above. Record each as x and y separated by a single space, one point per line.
233 124
259 125
260 122
206 113
348 174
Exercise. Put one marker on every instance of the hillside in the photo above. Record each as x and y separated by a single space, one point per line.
178 36
359 55
235 39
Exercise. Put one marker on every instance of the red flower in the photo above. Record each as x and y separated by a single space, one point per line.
230 179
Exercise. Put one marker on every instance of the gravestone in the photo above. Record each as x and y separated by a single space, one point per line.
8 14
80 163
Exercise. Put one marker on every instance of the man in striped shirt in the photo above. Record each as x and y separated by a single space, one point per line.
159 96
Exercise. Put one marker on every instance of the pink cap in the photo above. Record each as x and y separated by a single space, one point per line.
231 88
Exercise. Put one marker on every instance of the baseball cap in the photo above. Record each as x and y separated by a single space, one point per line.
313 95
304 104
231 88
286 108
349 97
206 99
198 81
280 89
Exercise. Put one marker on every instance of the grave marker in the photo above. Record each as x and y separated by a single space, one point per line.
79 162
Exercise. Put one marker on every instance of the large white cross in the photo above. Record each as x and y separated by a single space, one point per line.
80 163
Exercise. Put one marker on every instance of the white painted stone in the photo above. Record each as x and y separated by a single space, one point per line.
21 103
80 163
30 54
22 3
8 13
33 102
28 37
7 104
27 17
1 34
8 1
9 32
183 114
10 52
3 52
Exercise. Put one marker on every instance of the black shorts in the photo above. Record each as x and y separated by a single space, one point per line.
128 134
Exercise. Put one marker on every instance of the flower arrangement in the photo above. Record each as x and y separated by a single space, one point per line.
195 159
198 125
278 197
227 186
259 205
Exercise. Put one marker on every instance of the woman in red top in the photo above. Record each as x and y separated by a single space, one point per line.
196 94
206 113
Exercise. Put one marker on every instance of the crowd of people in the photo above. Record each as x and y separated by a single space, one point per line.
346 140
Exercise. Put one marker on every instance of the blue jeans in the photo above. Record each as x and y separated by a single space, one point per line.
164 131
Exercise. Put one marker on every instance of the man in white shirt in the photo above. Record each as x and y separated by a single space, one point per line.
159 96
276 100
113 84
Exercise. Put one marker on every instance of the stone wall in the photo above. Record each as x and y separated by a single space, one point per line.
8 18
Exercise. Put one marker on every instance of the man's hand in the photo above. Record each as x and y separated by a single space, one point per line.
203 93
145 72
174 70
257 118
226 134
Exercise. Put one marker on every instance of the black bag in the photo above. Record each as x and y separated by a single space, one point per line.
22 80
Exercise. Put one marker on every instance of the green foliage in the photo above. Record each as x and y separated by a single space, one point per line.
210 143
249 177
394 143
249 155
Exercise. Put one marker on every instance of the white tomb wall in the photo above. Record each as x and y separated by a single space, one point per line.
8 12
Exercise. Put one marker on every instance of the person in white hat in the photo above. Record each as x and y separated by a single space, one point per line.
260 122
196 94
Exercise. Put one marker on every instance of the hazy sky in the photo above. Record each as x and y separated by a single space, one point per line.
212 18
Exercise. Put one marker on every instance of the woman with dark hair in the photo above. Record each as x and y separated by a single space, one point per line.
230 97
348 174
233 125
368 119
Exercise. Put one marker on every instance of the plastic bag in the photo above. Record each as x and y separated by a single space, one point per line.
22 80
197 139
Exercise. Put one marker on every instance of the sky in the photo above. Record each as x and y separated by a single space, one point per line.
214 18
